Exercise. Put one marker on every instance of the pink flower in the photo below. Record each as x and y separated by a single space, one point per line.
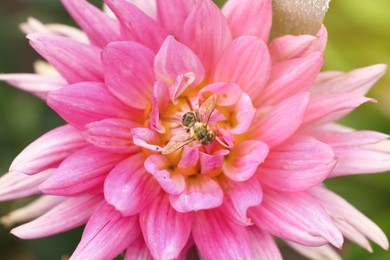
148 184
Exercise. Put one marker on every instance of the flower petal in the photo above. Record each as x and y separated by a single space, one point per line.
263 245
298 164
165 230
75 61
69 214
245 114
128 187
217 238
49 150
325 252
98 241
138 250
228 93
149 7
211 162
250 17
146 138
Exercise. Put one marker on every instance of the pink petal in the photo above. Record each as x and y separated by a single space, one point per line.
189 158
81 171
282 121
263 245
250 17
165 230
49 150
149 7
36 84
75 61
154 123
245 114
173 17
158 166
129 188
318 252
245 159
100 28
69 214
206 32
146 138
16 185
211 162
98 241
161 92
112 134
129 72
228 93
138 250
217 238
87 102
173 59
136 25
298 164
201 192
292 77
239 197
296 217
246 61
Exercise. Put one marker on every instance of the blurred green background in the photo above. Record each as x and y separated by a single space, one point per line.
359 35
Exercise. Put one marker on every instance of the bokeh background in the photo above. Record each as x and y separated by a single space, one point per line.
359 35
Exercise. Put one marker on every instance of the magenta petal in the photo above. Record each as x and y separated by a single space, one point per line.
206 32
201 192
149 7
296 217
48 150
158 166
298 164
272 130
136 25
173 59
217 238
146 138
75 61
250 17
112 134
100 28
69 214
98 241
87 102
129 72
138 250
165 230
129 188
263 245
245 159
245 61
81 171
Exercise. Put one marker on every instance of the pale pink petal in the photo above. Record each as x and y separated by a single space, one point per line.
239 197
158 166
201 192
154 123
138 250
182 82
81 171
292 77
217 238
87 102
98 241
206 32
31 210
136 25
36 84
161 92
68 214
245 159
250 17
128 187
75 61
296 217
112 134
211 162
189 158
16 185
325 252
298 164
146 138
263 245
173 59
49 150
173 17
99 27
149 7
341 211
246 61
225 137
272 130
228 93
244 116
129 72
165 230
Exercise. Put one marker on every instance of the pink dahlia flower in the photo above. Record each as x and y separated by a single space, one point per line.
185 128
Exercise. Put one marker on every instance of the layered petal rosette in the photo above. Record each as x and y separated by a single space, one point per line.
187 128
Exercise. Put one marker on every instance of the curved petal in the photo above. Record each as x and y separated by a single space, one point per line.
149 7
165 230
212 162
146 138
244 116
228 93
263 244
325 252
138 250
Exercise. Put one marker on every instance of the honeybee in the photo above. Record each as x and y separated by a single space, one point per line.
195 123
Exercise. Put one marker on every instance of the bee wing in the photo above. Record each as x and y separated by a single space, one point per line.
206 108
176 143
